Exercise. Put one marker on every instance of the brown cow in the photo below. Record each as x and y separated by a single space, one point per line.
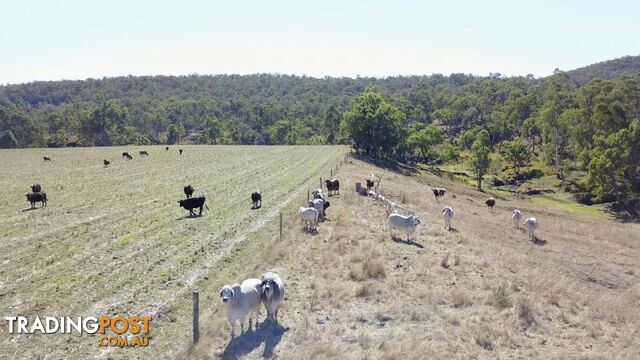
491 202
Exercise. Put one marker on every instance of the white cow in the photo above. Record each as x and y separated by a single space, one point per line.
317 194
240 299
517 215
405 223
531 224
447 214
309 215
273 294
318 204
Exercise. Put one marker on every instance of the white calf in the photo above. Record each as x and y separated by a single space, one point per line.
447 214
531 224
309 215
517 215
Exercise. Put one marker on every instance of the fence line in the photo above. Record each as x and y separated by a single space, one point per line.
196 295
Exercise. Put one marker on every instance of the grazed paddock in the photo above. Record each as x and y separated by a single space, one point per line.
113 239
481 290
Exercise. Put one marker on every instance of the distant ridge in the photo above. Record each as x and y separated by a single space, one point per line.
605 70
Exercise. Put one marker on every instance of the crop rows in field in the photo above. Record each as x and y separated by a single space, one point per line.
113 239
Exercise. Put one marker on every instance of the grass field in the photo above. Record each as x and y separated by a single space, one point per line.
113 239
480 291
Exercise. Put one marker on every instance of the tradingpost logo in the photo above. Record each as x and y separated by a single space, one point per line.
132 331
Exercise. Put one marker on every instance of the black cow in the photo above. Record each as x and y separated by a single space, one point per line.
256 198
438 192
193 203
36 188
369 184
106 162
188 190
34 197
333 186
180 150
46 158
144 153
127 156
325 206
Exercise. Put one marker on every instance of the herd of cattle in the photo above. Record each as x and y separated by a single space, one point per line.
125 155
318 204
128 156
409 223
241 299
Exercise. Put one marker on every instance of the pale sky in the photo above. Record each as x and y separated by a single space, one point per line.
78 39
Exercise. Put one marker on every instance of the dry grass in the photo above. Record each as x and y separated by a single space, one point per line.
480 291
500 297
525 311
366 268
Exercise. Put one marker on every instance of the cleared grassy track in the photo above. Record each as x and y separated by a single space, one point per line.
114 240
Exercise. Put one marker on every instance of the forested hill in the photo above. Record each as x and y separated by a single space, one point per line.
210 109
605 70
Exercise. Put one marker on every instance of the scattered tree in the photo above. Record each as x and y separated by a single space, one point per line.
480 160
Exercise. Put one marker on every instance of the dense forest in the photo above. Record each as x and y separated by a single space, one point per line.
583 120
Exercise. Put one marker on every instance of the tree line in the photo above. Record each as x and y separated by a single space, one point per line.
572 127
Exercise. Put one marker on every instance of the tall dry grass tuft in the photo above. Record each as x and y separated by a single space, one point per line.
367 266
525 312
459 297
500 297
482 336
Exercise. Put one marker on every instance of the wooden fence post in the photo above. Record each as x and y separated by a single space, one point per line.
196 317
307 195
321 183
331 173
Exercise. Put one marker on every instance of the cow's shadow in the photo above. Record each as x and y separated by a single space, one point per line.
452 229
30 209
268 332
537 241
256 207
400 240
189 217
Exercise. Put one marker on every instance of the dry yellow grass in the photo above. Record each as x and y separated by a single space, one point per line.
354 293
